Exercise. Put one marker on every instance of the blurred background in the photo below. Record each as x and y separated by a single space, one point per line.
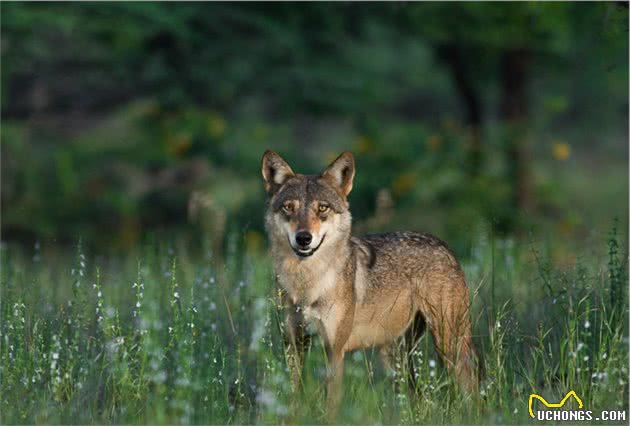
125 120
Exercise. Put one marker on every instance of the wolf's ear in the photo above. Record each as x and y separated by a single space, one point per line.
340 173
275 171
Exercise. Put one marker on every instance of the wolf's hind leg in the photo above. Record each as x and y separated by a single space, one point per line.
452 334
412 337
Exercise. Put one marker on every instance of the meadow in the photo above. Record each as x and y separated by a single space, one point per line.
135 285
169 335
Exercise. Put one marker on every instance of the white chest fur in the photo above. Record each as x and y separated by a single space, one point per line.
306 281
313 284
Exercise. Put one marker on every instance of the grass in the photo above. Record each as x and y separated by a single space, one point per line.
166 336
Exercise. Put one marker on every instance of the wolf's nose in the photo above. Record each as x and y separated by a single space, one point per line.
303 238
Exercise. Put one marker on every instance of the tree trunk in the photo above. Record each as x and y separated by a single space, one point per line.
514 111
453 57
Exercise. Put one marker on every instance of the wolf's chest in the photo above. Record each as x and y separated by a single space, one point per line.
304 283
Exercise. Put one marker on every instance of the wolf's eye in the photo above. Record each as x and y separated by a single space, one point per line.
288 208
323 208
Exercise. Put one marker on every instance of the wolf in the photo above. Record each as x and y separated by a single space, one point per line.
363 292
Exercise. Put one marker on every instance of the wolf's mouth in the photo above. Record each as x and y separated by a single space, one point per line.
307 252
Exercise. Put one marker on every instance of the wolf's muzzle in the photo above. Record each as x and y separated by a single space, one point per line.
303 238
306 252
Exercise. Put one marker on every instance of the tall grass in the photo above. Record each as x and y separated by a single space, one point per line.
164 336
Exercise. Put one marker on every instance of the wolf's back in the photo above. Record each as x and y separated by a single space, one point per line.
397 256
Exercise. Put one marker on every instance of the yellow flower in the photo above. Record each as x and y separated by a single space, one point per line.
433 142
179 144
561 151
403 183
216 125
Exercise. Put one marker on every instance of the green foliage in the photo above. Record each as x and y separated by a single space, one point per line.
115 115
617 277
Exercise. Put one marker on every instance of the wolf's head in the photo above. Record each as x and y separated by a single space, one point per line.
308 213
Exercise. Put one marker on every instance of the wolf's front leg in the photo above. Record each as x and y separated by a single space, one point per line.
337 328
296 345
334 385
